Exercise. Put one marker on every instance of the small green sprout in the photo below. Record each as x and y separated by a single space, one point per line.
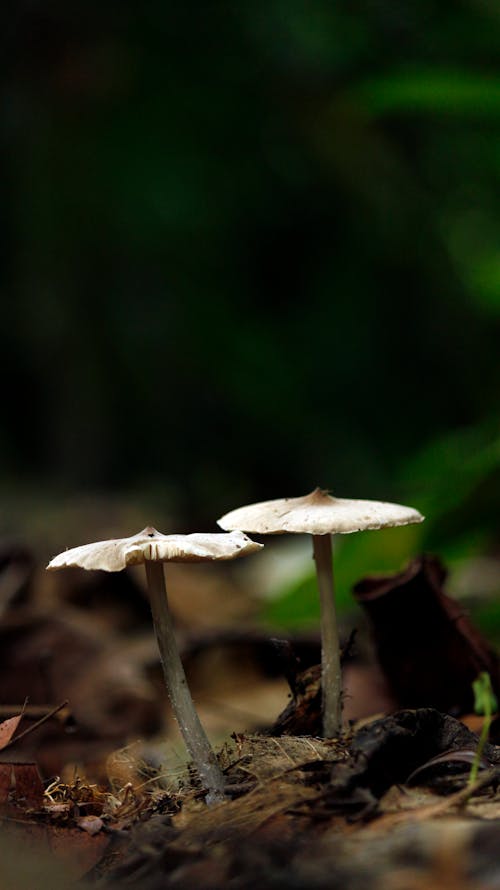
485 702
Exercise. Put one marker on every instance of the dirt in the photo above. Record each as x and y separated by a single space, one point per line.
388 805
307 813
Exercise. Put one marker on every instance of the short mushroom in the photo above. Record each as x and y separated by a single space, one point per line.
321 515
153 548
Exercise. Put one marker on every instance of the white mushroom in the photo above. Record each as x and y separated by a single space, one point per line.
321 515
152 548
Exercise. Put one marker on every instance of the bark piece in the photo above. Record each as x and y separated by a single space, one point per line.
426 645
387 751
20 784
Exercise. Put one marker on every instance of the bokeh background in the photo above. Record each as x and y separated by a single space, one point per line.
248 249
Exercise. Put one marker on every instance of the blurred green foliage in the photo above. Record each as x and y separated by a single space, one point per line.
251 248
355 556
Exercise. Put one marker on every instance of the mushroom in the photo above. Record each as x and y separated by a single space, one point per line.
321 515
153 549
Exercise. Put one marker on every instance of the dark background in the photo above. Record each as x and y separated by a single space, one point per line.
249 248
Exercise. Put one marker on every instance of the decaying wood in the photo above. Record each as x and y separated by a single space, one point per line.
294 827
426 645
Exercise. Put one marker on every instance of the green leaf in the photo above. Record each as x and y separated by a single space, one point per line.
485 701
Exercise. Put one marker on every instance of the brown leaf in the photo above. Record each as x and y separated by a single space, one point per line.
465 756
8 728
91 824
426 645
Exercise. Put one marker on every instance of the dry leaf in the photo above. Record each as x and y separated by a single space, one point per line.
8 728
91 824
426 645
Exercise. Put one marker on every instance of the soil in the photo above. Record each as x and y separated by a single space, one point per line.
388 805
311 813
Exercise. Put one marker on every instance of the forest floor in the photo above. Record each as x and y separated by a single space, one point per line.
301 812
388 804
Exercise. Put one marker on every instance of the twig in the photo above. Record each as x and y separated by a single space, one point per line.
30 711
281 748
459 799
37 724
308 742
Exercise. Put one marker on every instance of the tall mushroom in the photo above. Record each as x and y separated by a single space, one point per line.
321 515
152 549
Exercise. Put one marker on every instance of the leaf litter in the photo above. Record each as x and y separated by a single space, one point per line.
302 811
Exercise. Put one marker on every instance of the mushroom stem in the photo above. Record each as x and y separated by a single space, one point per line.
330 652
194 735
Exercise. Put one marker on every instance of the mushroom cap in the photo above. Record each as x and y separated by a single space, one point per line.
318 513
151 545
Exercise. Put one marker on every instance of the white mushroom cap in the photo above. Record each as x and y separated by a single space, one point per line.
151 545
318 513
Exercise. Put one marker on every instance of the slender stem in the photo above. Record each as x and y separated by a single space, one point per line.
483 738
331 683
194 735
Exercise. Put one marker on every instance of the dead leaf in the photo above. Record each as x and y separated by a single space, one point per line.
58 810
426 645
464 756
8 728
91 824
